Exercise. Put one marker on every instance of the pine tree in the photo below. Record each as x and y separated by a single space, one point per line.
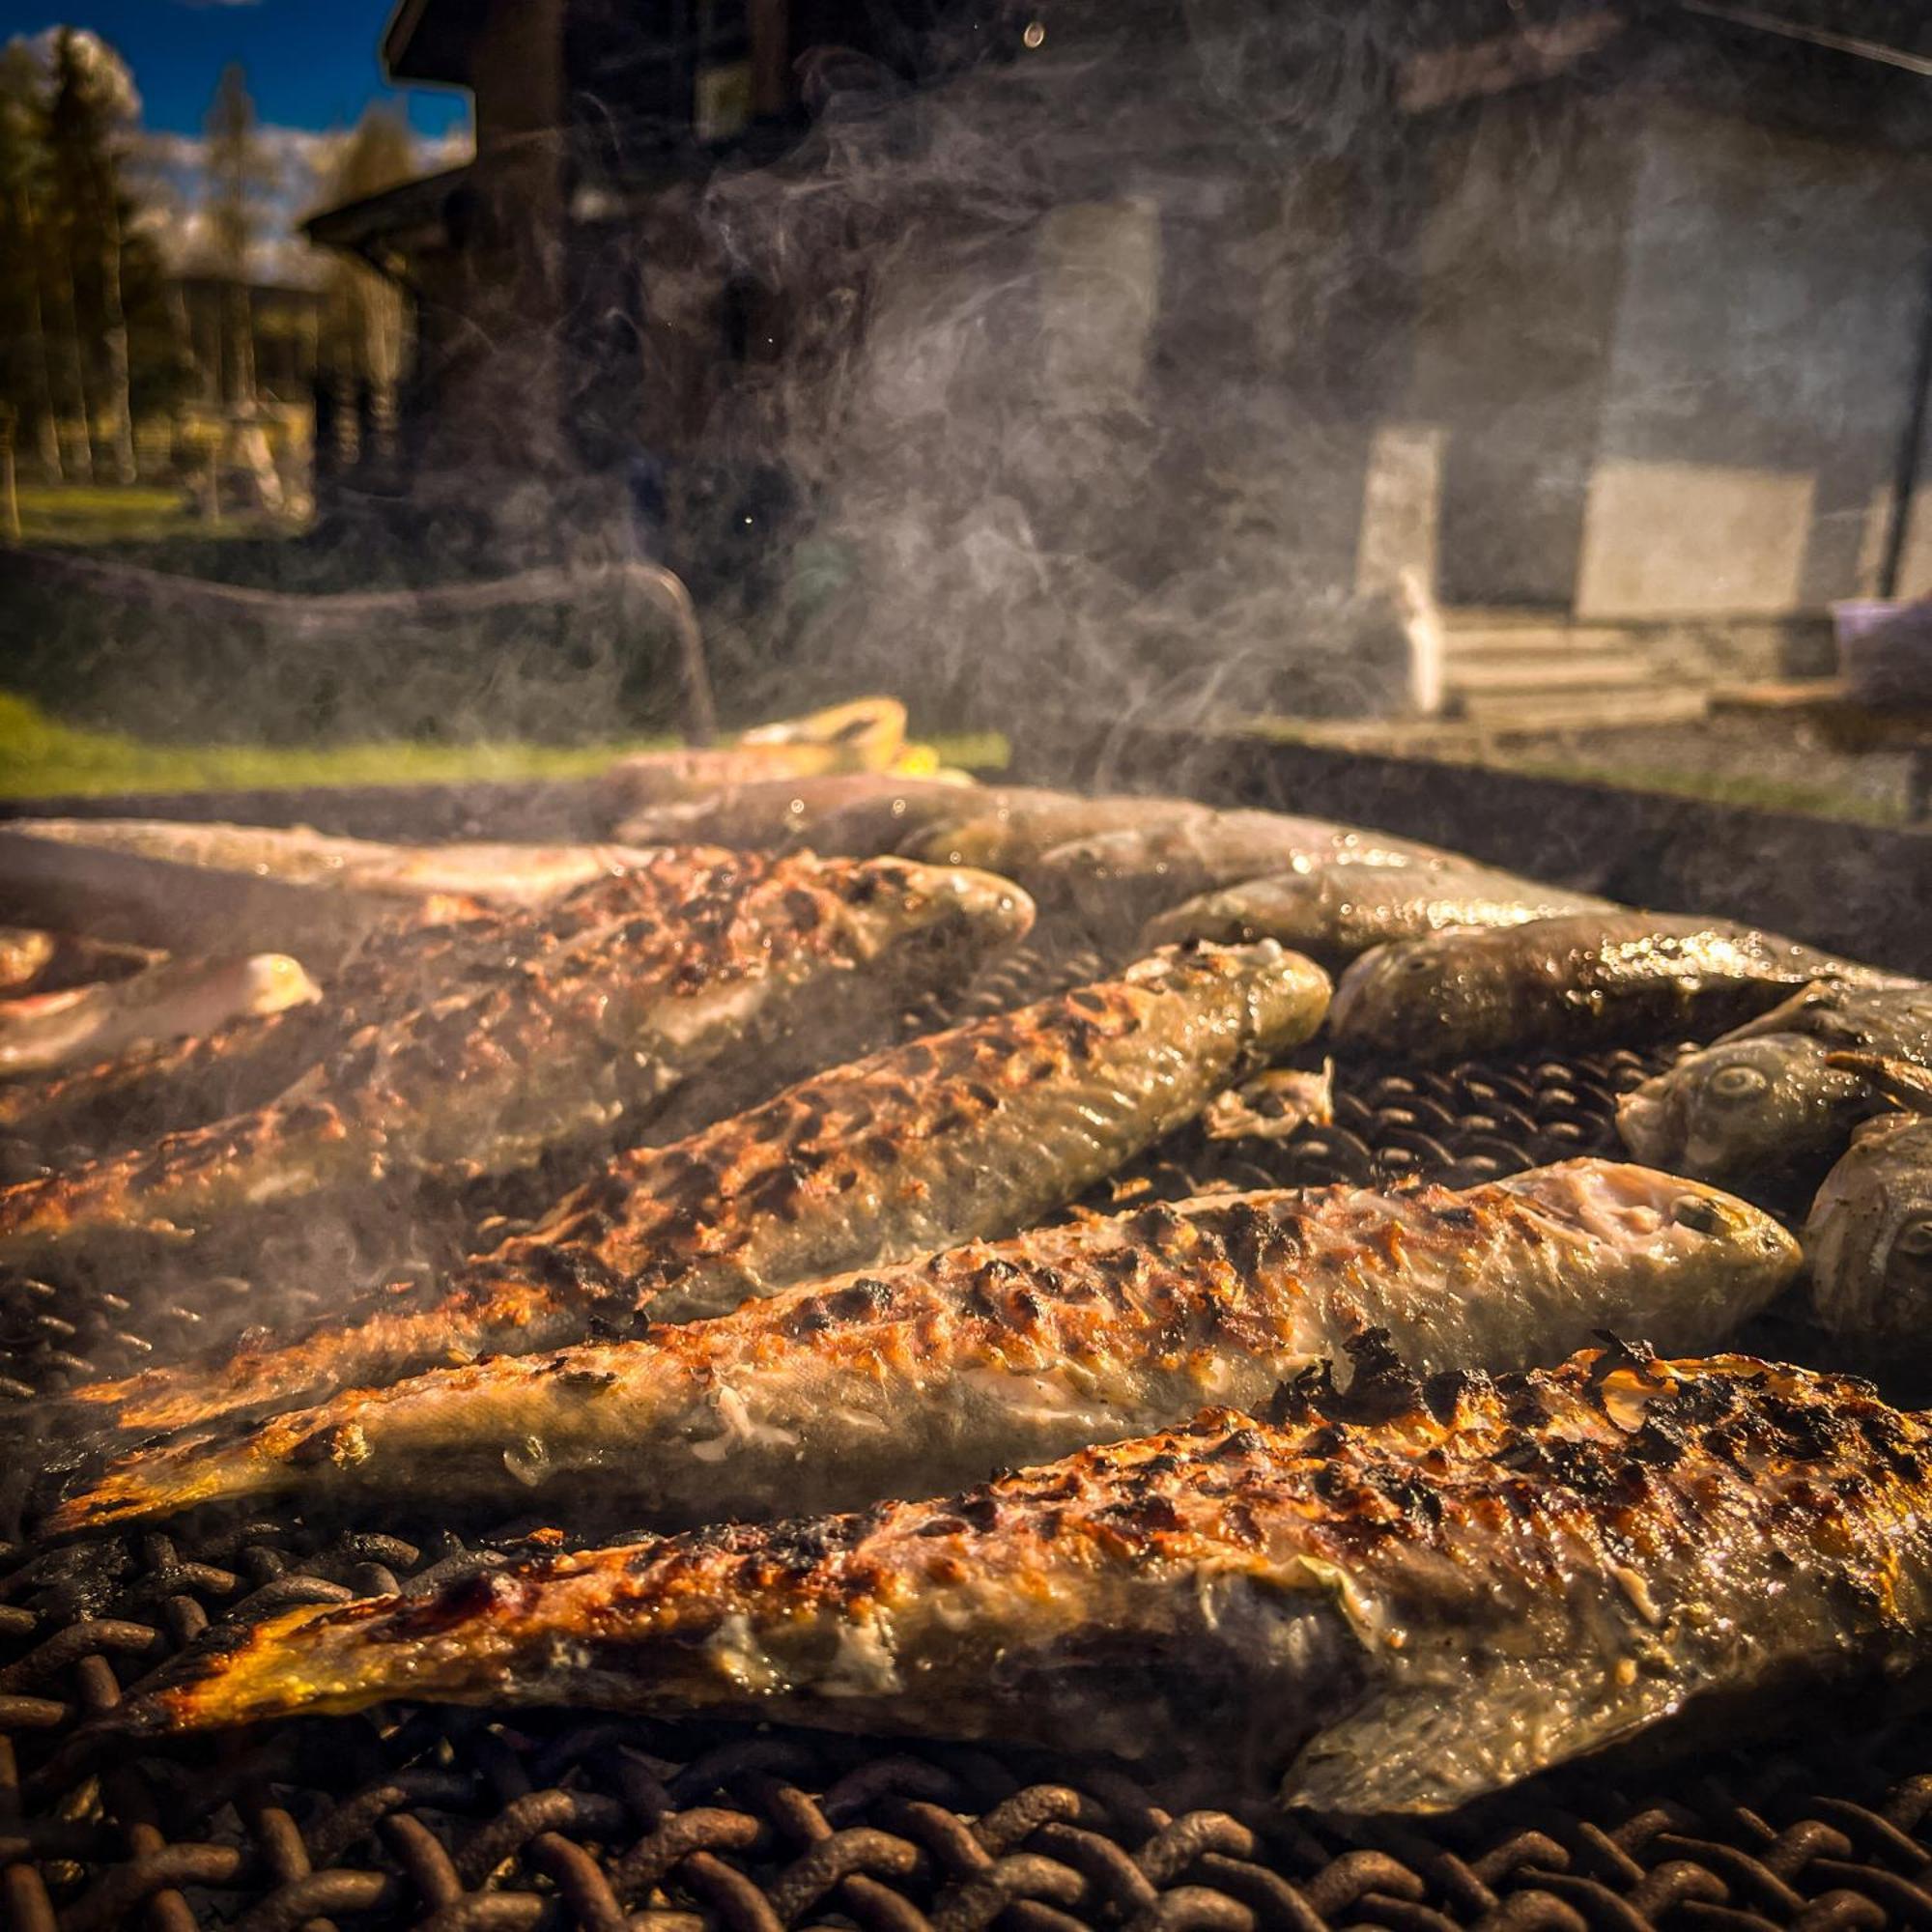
26 380
364 316
89 109
241 175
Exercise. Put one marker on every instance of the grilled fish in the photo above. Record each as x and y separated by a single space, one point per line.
510 874
1015 832
911 1378
1392 1600
418 956
483 1081
823 812
41 1031
974 1131
1571 981
36 961
1868 1237
1767 1096
866 734
1113 882
1335 914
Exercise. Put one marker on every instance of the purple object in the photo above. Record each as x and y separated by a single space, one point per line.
1885 650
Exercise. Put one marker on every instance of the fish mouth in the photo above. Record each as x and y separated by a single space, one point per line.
1648 1125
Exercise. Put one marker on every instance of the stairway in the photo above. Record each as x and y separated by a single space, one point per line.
1507 671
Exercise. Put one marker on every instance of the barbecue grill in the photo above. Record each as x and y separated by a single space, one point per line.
451 1820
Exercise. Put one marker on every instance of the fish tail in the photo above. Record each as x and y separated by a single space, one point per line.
382 1349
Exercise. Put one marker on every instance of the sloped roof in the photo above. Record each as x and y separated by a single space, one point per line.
430 41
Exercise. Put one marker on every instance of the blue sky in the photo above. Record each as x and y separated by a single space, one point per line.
311 62
312 69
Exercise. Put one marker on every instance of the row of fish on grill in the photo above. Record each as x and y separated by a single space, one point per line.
1290 1480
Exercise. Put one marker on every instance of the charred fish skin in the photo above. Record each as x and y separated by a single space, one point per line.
1390 1600
413 958
1335 915
482 1082
1571 981
1767 1095
911 1380
964 1133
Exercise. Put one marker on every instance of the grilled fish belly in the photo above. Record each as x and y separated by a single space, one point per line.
1335 912
1394 1599
482 1082
917 1378
974 1131
1573 980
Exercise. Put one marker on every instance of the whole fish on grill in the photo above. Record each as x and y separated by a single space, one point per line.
1012 833
1768 1096
907 1379
413 959
973 1132
1113 882
1334 914
1392 1600
1868 1237
1574 980
42 1031
781 953
508 873
825 812
866 734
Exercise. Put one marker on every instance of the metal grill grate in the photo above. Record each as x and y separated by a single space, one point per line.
449 1821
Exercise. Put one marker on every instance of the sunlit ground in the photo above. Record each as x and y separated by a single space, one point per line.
40 757
73 513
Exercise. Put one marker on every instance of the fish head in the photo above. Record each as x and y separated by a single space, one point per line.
1401 997
1744 1106
1707 1234
1869 1235
898 912
1290 907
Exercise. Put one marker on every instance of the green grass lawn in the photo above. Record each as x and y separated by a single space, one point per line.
42 758
78 513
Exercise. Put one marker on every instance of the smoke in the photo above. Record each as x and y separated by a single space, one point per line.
1074 355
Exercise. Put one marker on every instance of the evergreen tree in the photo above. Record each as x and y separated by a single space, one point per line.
26 382
240 177
363 316
90 108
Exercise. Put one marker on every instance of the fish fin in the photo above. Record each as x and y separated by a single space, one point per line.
1903 1081
1433 1741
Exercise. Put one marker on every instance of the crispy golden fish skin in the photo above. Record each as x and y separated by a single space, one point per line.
969 1132
1389 1600
419 954
483 1081
1767 1095
911 1380
1335 914
1015 832
1573 980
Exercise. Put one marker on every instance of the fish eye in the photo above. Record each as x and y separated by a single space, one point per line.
1696 1210
1915 1239
1736 1083
1416 962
